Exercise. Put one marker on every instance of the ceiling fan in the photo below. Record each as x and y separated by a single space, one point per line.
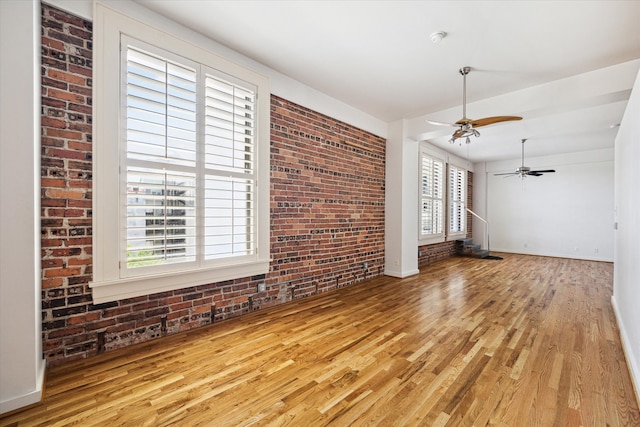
467 127
523 170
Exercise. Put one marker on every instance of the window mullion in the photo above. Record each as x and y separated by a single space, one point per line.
200 163
234 147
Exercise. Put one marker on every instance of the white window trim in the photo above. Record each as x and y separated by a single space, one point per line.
107 285
448 159
456 235
440 237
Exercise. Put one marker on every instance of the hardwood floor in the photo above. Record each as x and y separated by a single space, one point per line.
517 342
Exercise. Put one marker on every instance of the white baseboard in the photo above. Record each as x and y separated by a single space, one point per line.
401 274
27 399
632 363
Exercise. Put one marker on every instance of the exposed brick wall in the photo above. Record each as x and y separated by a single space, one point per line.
327 200
327 214
428 254
66 184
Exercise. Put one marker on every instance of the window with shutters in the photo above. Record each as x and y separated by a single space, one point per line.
443 193
457 194
190 203
432 179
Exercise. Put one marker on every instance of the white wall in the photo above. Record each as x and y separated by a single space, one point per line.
626 282
21 364
281 85
564 214
401 203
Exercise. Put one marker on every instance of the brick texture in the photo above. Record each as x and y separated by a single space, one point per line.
327 200
66 185
327 214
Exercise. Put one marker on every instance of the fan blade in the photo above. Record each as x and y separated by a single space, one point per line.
440 123
491 120
543 171
506 173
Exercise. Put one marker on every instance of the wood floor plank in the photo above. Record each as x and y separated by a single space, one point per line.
520 341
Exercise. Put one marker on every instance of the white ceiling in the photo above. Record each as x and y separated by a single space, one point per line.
536 59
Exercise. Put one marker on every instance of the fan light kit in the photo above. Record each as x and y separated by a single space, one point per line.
466 127
524 171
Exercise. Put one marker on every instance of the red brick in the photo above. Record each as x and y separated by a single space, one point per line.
52 283
50 263
79 261
86 204
53 122
54 193
85 71
80 146
64 76
201 309
57 133
65 96
51 243
51 142
181 306
56 44
67 154
65 332
61 272
83 318
100 325
53 182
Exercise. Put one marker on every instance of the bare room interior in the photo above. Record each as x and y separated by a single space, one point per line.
388 213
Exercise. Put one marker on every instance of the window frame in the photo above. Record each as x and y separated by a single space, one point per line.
434 237
453 235
448 161
108 283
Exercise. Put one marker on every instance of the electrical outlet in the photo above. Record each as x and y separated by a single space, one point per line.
262 287
365 265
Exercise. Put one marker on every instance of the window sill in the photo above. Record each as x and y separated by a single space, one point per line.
118 289
457 236
431 240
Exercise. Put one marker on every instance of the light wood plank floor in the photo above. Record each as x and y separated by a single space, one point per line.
525 341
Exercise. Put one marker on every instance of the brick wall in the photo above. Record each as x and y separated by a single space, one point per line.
428 254
327 200
66 185
327 214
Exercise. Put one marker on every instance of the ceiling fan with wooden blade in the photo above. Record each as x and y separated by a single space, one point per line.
467 127
523 170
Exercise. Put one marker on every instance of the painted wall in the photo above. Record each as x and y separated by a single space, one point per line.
281 85
626 282
564 214
401 212
21 364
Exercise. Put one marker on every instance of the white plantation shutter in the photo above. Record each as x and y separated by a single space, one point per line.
161 147
457 195
431 195
180 162
229 221
189 162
